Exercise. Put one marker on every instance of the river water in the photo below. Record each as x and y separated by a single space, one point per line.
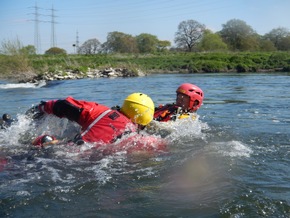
233 161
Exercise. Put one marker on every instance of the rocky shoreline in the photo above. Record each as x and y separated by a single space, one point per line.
30 77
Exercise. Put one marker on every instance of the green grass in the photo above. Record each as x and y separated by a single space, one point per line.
177 62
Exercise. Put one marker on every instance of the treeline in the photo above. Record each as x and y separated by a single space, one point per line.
191 36
235 35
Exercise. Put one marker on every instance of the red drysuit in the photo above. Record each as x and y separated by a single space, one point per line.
99 123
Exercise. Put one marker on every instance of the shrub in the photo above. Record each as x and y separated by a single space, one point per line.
242 68
13 58
55 51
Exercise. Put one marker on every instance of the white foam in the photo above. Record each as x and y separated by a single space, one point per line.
24 130
12 134
22 85
231 148
23 193
187 127
105 168
101 170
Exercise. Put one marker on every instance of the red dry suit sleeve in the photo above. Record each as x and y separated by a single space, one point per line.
47 107
67 108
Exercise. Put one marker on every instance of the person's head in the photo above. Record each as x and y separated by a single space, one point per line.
139 108
6 117
44 140
189 97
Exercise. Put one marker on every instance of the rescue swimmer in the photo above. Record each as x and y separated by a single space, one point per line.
98 122
189 99
6 121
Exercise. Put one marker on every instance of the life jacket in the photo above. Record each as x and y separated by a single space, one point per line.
166 112
99 123
170 112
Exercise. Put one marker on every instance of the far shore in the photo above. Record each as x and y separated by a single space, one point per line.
62 67
29 77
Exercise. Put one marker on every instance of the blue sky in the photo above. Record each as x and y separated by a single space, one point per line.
96 18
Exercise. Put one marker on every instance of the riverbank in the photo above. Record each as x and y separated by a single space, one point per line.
52 67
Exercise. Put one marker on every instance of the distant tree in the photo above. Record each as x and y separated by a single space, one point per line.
163 45
266 45
250 43
188 35
239 36
285 44
120 42
91 46
29 49
176 49
276 36
147 43
211 42
55 51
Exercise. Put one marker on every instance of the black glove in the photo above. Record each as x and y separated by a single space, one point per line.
35 113
78 139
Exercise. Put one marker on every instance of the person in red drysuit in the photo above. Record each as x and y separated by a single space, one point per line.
100 123
188 100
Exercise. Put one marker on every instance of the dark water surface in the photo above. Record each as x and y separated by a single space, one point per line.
231 162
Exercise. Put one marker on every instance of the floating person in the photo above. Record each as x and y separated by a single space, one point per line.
98 122
6 121
189 99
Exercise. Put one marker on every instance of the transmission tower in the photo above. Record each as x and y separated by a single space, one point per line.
77 43
53 36
37 43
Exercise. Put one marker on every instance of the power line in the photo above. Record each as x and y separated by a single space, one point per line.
37 21
53 22
37 43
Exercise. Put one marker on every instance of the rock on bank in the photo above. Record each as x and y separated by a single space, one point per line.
76 74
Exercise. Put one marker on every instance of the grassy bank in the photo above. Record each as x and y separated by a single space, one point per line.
171 62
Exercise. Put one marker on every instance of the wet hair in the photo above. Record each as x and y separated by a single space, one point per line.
46 139
6 117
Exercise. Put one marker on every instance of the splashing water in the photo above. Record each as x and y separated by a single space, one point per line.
22 85
13 134
231 148
232 162
70 169
175 134
24 130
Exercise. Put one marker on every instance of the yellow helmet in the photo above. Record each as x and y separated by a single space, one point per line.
139 108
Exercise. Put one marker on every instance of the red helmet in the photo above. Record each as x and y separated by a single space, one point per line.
195 94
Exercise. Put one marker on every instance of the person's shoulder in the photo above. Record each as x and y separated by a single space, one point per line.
116 107
165 106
